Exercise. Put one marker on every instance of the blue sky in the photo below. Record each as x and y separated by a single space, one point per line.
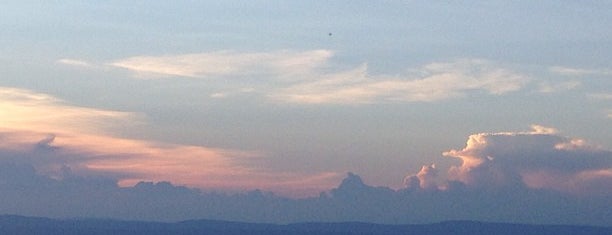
234 96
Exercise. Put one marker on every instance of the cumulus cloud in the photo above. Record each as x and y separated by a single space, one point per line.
425 179
540 158
49 133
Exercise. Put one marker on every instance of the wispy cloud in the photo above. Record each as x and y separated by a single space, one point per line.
49 133
74 62
600 96
224 63
569 71
27 110
547 87
436 81
225 94
306 77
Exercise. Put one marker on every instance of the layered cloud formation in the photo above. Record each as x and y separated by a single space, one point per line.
49 134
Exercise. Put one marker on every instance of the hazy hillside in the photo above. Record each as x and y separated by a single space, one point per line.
10 224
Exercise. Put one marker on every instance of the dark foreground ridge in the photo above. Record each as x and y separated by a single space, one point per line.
12 224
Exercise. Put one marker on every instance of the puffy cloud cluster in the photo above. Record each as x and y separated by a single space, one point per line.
540 159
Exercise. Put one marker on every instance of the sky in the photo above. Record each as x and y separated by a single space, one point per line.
287 97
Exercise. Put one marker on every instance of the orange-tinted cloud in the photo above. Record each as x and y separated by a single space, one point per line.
224 63
49 134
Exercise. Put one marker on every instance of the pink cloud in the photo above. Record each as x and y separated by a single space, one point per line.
50 134
540 158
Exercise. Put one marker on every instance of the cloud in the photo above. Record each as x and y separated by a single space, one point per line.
600 96
436 81
49 133
226 94
224 63
546 87
425 179
24 192
540 158
516 177
74 62
27 110
568 71
306 77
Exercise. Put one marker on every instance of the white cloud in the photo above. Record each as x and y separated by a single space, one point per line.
568 71
547 87
228 93
603 97
538 159
224 63
425 179
600 96
74 62
438 81
299 77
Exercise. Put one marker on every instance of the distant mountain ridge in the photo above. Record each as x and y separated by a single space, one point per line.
14 224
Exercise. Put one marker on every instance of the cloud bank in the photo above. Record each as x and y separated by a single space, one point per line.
537 176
